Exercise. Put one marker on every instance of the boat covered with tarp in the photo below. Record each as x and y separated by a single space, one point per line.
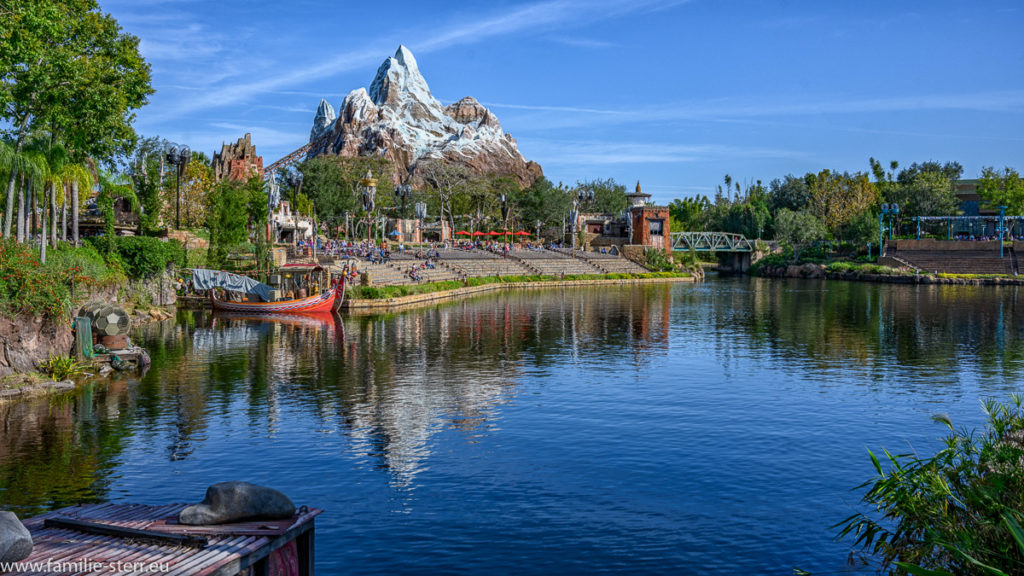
213 280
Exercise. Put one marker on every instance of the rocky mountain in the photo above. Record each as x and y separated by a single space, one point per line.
400 119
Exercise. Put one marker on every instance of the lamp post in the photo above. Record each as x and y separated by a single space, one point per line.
889 210
504 214
295 181
179 157
369 188
402 193
578 198
1002 228
421 214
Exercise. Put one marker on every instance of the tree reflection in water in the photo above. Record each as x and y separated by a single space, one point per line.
390 383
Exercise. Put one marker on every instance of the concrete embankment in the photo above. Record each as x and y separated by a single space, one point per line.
376 306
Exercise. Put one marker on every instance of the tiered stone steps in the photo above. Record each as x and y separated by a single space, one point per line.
551 263
957 262
607 263
479 263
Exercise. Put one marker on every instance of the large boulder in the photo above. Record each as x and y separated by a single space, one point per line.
15 539
237 501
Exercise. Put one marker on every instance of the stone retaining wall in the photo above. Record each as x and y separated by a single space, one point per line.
933 245
357 306
924 279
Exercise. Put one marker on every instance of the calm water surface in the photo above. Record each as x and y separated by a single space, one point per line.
717 428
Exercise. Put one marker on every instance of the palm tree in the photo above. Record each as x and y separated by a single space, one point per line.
32 172
16 163
71 177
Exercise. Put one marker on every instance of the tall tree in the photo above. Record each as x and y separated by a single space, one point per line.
1002 188
448 181
798 229
331 184
67 68
690 214
835 198
609 195
791 192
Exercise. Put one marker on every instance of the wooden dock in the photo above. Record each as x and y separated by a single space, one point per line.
106 539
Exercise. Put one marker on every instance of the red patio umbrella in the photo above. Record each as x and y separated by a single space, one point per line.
462 233
494 233
521 233
479 233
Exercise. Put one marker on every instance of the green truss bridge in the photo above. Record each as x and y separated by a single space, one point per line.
735 251
710 242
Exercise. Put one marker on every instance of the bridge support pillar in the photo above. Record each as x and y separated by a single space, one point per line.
734 262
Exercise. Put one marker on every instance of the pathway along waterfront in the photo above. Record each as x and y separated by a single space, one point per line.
715 428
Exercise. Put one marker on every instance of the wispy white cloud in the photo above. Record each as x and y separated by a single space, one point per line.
544 108
597 153
584 42
270 139
533 18
555 117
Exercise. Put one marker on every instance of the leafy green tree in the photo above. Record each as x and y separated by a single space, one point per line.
67 68
609 195
332 184
929 194
227 219
144 168
925 189
836 198
448 184
541 202
953 171
690 214
791 192
861 229
1004 188
799 230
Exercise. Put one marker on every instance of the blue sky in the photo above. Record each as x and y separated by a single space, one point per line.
674 94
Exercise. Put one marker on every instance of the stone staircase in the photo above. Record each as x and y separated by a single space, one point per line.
958 262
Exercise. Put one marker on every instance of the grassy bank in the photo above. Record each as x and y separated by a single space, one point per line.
864 269
384 292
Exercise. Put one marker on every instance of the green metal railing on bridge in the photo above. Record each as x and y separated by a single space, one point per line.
710 242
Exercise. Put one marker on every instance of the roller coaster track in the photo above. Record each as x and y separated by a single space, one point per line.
287 161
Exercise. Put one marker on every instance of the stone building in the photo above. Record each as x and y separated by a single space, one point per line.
237 161
640 224
649 223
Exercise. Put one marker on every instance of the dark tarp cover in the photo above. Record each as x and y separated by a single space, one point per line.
203 279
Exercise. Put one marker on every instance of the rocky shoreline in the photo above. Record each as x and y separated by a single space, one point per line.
819 271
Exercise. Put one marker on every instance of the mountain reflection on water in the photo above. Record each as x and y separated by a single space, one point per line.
577 430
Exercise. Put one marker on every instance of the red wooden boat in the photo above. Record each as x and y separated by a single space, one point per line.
323 302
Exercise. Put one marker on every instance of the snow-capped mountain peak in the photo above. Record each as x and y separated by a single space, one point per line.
399 118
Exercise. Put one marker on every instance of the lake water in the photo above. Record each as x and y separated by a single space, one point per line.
716 428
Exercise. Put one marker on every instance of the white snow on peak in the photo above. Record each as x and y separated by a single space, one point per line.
357 107
404 57
399 104
323 121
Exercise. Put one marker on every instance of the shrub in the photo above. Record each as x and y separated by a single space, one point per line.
956 512
60 367
772 261
144 257
659 261
30 287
